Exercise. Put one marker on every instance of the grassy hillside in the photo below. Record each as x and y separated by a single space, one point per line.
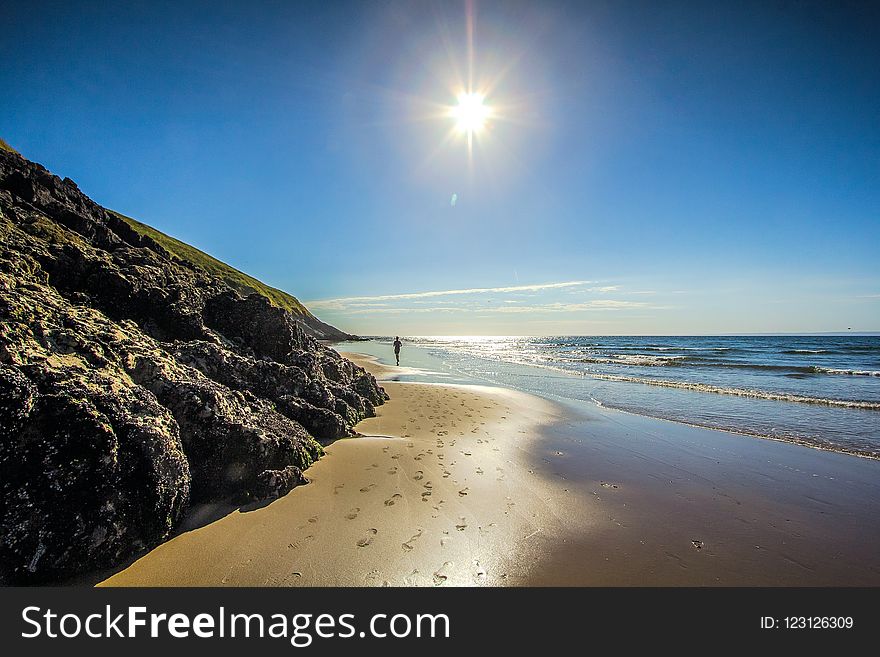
233 277
238 280
7 147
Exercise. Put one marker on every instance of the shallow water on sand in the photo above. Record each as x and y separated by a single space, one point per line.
823 391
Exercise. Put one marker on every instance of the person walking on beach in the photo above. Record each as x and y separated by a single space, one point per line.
397 346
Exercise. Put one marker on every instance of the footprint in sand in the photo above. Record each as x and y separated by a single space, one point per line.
393 470
393 499
463 492
408 545
605 484
372 578
368 539
313 519
442 573
418 475
337 487
412 579
479 572
462 525
367 489
351 515
395 456
479 470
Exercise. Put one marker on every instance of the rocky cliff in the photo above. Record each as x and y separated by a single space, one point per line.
239 281
134 382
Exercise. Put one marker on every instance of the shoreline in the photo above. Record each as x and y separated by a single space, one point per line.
458 484
784 439
748 390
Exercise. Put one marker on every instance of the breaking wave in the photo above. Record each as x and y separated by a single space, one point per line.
739 392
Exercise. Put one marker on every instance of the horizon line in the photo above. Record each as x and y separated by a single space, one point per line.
642 335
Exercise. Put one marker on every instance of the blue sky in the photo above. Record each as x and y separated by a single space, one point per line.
650 167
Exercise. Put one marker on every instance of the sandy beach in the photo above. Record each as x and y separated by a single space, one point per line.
437 491
477 485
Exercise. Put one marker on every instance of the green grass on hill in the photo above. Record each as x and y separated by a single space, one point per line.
235 279
7 147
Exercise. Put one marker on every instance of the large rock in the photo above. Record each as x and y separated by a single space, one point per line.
253 322
87 477
133 383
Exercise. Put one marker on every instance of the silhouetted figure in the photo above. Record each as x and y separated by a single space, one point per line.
397 346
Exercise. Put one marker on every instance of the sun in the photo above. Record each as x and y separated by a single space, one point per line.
471 113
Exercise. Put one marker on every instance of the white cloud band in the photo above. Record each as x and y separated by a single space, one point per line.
343 302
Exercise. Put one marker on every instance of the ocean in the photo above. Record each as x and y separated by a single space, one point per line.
821 391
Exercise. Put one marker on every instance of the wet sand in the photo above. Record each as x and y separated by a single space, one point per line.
682 505
473 485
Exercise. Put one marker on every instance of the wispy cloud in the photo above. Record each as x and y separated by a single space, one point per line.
485 310
344 302
563 300
595 304
407 311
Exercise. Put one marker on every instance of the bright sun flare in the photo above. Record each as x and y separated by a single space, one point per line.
470 114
